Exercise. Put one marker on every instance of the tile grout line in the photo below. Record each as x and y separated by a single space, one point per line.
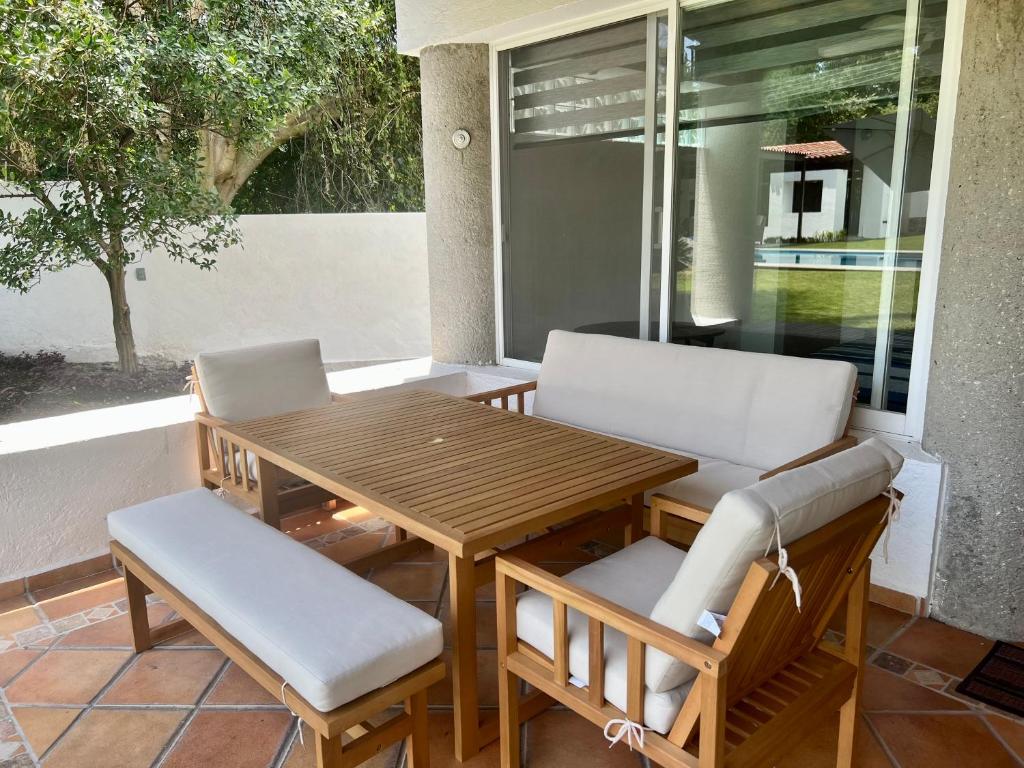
881 742
290 737
7 705
18 729
122 670
186 721
998 736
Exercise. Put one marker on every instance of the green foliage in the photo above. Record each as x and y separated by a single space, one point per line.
94 125
365 154
134 123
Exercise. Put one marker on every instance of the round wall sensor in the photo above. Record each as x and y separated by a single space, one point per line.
461 138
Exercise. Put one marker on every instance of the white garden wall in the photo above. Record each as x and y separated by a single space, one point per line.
357 282
59 477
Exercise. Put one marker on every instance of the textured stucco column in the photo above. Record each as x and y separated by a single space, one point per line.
458 190
975 410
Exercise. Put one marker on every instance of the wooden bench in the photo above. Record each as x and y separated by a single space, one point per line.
334 648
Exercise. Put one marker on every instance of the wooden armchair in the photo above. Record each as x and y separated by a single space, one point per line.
767 681
242 476
250 383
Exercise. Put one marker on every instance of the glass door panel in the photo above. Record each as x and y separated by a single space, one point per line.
804 150
579 163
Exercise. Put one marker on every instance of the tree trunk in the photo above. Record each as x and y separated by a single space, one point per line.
123 337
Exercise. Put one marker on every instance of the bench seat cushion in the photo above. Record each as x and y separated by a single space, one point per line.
634 578
330 634
713 479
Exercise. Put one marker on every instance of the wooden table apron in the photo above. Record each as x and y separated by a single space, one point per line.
465 477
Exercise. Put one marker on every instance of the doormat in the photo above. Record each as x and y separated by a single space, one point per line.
999 679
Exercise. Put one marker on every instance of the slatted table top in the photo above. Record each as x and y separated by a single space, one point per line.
463 475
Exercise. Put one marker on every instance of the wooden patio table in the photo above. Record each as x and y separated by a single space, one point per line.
459 475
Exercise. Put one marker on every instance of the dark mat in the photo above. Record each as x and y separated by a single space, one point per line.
999 679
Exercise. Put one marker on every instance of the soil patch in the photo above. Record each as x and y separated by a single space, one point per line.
45 384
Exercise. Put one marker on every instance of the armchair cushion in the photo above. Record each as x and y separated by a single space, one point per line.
750 409
252 382
741 529
633 578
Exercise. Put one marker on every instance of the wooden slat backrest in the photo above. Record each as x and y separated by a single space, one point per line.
764 631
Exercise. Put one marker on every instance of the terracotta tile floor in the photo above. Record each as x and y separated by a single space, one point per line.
72 693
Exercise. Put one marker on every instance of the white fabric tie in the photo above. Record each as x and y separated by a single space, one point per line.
785 569
628 730
294 714
892 515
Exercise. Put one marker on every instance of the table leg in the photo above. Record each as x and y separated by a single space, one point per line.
267 484
462 593
635 529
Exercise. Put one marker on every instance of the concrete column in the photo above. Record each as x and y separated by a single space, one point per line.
975 410
460 248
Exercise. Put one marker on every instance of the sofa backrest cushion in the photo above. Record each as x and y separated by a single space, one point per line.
758 410
742 527
266 380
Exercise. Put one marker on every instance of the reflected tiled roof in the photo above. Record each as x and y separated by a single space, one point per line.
811 149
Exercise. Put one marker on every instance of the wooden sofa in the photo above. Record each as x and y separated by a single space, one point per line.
622 641
336 649
744 416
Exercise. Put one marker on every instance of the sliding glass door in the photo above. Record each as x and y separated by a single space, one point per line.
579 164
803 145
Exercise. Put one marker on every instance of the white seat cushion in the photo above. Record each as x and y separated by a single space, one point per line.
253 382
741 530
751 409
713 479
634 578
330 634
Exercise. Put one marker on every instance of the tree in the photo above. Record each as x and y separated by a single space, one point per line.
366 155
134 124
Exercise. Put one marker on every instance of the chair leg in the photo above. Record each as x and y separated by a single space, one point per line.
509 718
418 743
137 591
856 634
509 725
328 751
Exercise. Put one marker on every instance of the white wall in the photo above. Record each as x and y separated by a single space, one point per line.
782 222
911 536
60 477
358 282
430 22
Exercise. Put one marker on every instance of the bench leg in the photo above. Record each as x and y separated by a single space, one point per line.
328 751
137 591
418 743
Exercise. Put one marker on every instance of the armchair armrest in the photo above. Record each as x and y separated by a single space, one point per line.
210 421
663 504
847 441
635 626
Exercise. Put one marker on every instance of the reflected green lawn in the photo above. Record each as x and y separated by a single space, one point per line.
827 297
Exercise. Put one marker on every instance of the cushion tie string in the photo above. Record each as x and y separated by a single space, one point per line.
785 569
628 730
293 713
892 515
